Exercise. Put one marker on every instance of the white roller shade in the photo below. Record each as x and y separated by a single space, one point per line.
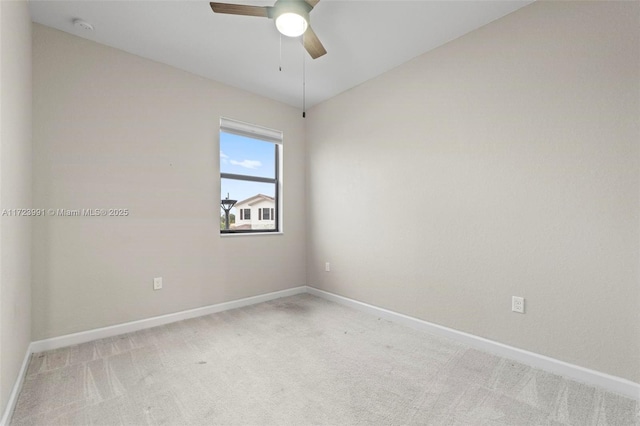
241 128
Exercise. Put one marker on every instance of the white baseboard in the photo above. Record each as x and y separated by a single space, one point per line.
128 327
581 374
591 377
15 391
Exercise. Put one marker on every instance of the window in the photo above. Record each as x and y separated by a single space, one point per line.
250 161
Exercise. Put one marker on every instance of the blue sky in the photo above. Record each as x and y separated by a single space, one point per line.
245 156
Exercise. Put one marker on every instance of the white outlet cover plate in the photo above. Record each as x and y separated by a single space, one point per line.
157 283
517 304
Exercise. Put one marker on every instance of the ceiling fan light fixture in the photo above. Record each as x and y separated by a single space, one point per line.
290 16
292 24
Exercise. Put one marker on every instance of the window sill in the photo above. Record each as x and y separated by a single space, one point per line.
250 234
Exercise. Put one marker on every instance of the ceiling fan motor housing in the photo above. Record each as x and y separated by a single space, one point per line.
291 16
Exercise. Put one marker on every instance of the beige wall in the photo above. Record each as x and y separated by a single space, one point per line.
15 191
503 163
112 130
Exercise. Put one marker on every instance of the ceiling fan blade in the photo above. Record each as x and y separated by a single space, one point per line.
240 9
312 3
312 44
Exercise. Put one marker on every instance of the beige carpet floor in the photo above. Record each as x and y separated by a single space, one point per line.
297 361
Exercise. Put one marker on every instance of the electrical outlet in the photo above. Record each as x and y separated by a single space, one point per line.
517 304
327 267
157 283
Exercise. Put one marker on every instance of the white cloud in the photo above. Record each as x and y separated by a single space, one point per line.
249 164
224 157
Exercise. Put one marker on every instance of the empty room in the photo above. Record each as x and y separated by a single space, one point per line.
334 212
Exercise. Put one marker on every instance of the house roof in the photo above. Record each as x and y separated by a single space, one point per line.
255 199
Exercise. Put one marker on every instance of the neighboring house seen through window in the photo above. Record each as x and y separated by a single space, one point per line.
249 175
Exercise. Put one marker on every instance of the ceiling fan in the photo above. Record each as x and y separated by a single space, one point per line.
291 16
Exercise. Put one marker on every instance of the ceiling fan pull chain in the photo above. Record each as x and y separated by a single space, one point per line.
280 64
304 82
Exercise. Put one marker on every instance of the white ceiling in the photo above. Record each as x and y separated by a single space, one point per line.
363 38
